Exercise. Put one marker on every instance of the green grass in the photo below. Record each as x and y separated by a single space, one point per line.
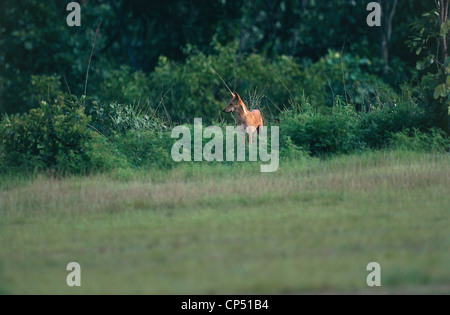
311 227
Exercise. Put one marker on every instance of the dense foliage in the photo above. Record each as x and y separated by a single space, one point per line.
35 39
51 136
106 94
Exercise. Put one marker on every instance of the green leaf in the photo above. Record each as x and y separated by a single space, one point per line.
421 64
28 45
425 63
445 27
440 91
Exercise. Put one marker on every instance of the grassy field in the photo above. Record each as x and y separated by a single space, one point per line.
311 227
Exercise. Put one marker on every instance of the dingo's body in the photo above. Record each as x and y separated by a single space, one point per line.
249 120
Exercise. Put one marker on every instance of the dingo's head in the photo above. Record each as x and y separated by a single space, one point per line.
234 104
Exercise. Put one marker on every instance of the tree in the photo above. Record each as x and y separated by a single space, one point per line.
388 11
442 91
442 8
430 41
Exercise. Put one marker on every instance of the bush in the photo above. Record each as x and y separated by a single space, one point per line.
321 133
380 123
145 149
51 136
105 156
43 87
289 150
342 129
435 140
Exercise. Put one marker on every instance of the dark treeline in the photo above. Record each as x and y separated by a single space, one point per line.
35 39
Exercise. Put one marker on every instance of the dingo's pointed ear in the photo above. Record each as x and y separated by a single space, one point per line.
237 96
232 94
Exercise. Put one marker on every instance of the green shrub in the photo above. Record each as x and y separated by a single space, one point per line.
43 87
435 140
51 136
378 124
289 150
145 149
105 156
321 133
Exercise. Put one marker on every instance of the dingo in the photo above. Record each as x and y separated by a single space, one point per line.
249 120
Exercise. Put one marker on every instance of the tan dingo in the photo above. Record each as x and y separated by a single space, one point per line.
249 120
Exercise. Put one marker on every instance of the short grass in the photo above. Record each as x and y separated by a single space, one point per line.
311 227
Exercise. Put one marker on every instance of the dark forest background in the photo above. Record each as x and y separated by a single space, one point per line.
135 37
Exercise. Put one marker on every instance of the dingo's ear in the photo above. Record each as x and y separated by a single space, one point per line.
237 96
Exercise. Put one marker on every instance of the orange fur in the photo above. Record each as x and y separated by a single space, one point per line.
244 117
